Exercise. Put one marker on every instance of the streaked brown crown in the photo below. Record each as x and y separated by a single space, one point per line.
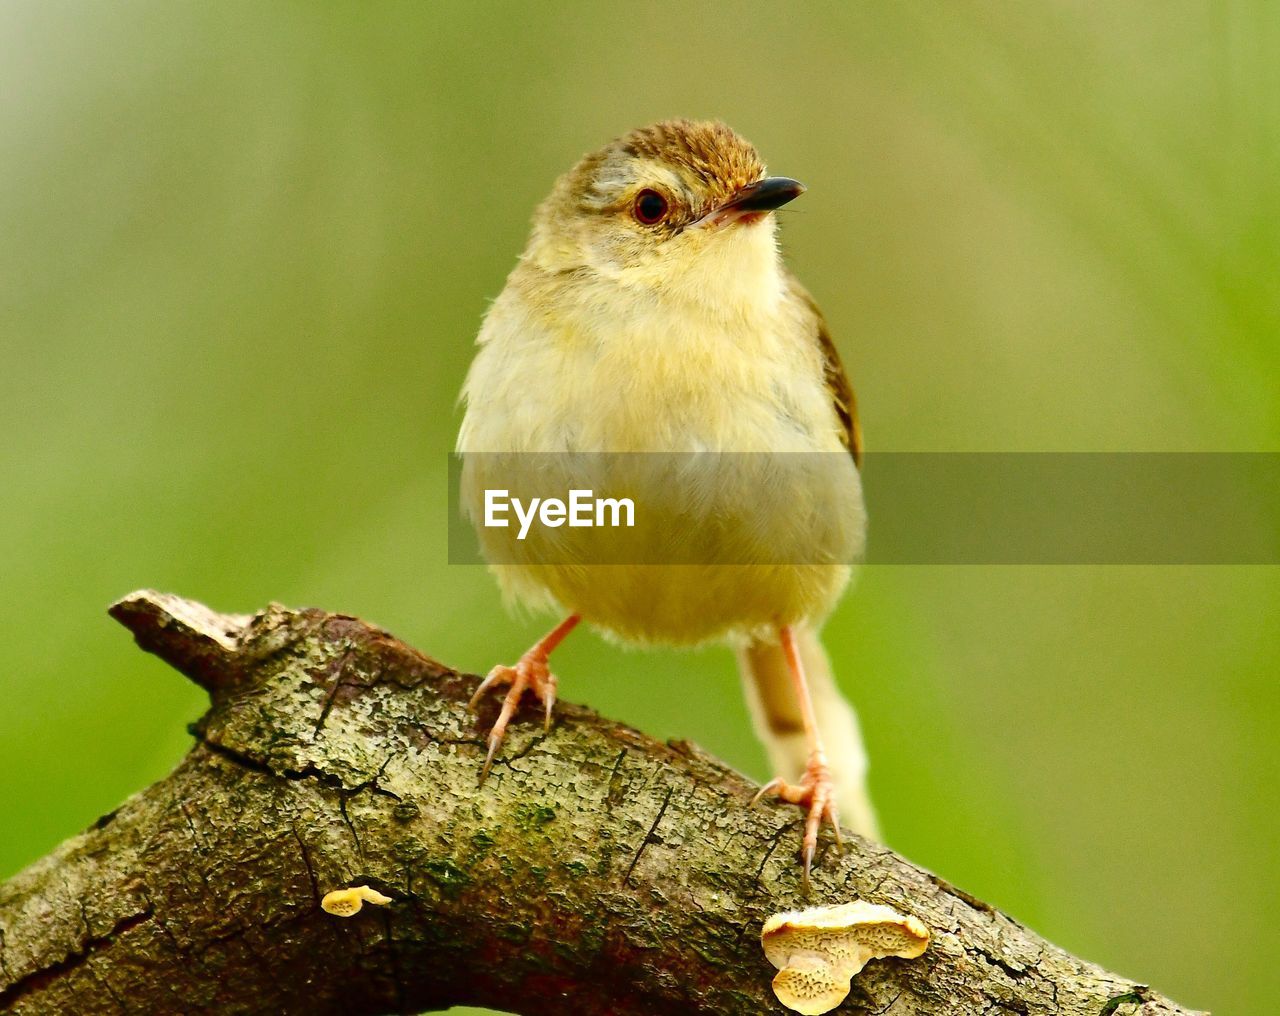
709 150
710 156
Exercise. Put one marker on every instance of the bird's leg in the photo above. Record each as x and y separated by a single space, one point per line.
530 673
815 791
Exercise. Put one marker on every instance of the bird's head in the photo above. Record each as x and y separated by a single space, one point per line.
679 207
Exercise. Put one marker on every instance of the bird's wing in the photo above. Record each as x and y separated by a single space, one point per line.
843 400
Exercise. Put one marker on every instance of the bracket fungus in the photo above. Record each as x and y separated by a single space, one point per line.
347 902
818 951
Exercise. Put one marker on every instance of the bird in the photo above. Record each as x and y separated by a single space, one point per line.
651 318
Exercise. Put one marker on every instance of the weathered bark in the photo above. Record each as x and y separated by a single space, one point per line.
597 871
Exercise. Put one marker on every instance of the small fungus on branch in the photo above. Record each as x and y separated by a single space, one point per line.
347 902
818 951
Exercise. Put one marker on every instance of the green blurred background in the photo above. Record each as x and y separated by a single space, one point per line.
244 250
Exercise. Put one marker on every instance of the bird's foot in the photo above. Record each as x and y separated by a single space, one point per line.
531 673
815 792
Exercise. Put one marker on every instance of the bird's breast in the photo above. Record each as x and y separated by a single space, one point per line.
664 380
585 392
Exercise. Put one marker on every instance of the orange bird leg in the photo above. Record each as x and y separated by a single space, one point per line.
815 791
530 673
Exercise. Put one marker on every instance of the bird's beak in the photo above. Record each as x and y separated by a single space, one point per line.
764 196
753 202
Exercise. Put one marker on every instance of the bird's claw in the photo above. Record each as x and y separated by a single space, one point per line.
815 792
530 673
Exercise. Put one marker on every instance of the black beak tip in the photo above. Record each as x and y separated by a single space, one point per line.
766 195
797 188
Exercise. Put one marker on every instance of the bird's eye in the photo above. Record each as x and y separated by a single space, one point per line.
650 207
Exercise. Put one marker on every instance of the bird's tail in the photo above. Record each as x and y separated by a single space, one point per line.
771 698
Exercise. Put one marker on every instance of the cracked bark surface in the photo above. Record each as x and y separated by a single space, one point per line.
597 871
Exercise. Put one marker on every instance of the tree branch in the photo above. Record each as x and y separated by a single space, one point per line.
597 871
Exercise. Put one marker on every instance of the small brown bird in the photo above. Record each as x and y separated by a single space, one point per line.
651 312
